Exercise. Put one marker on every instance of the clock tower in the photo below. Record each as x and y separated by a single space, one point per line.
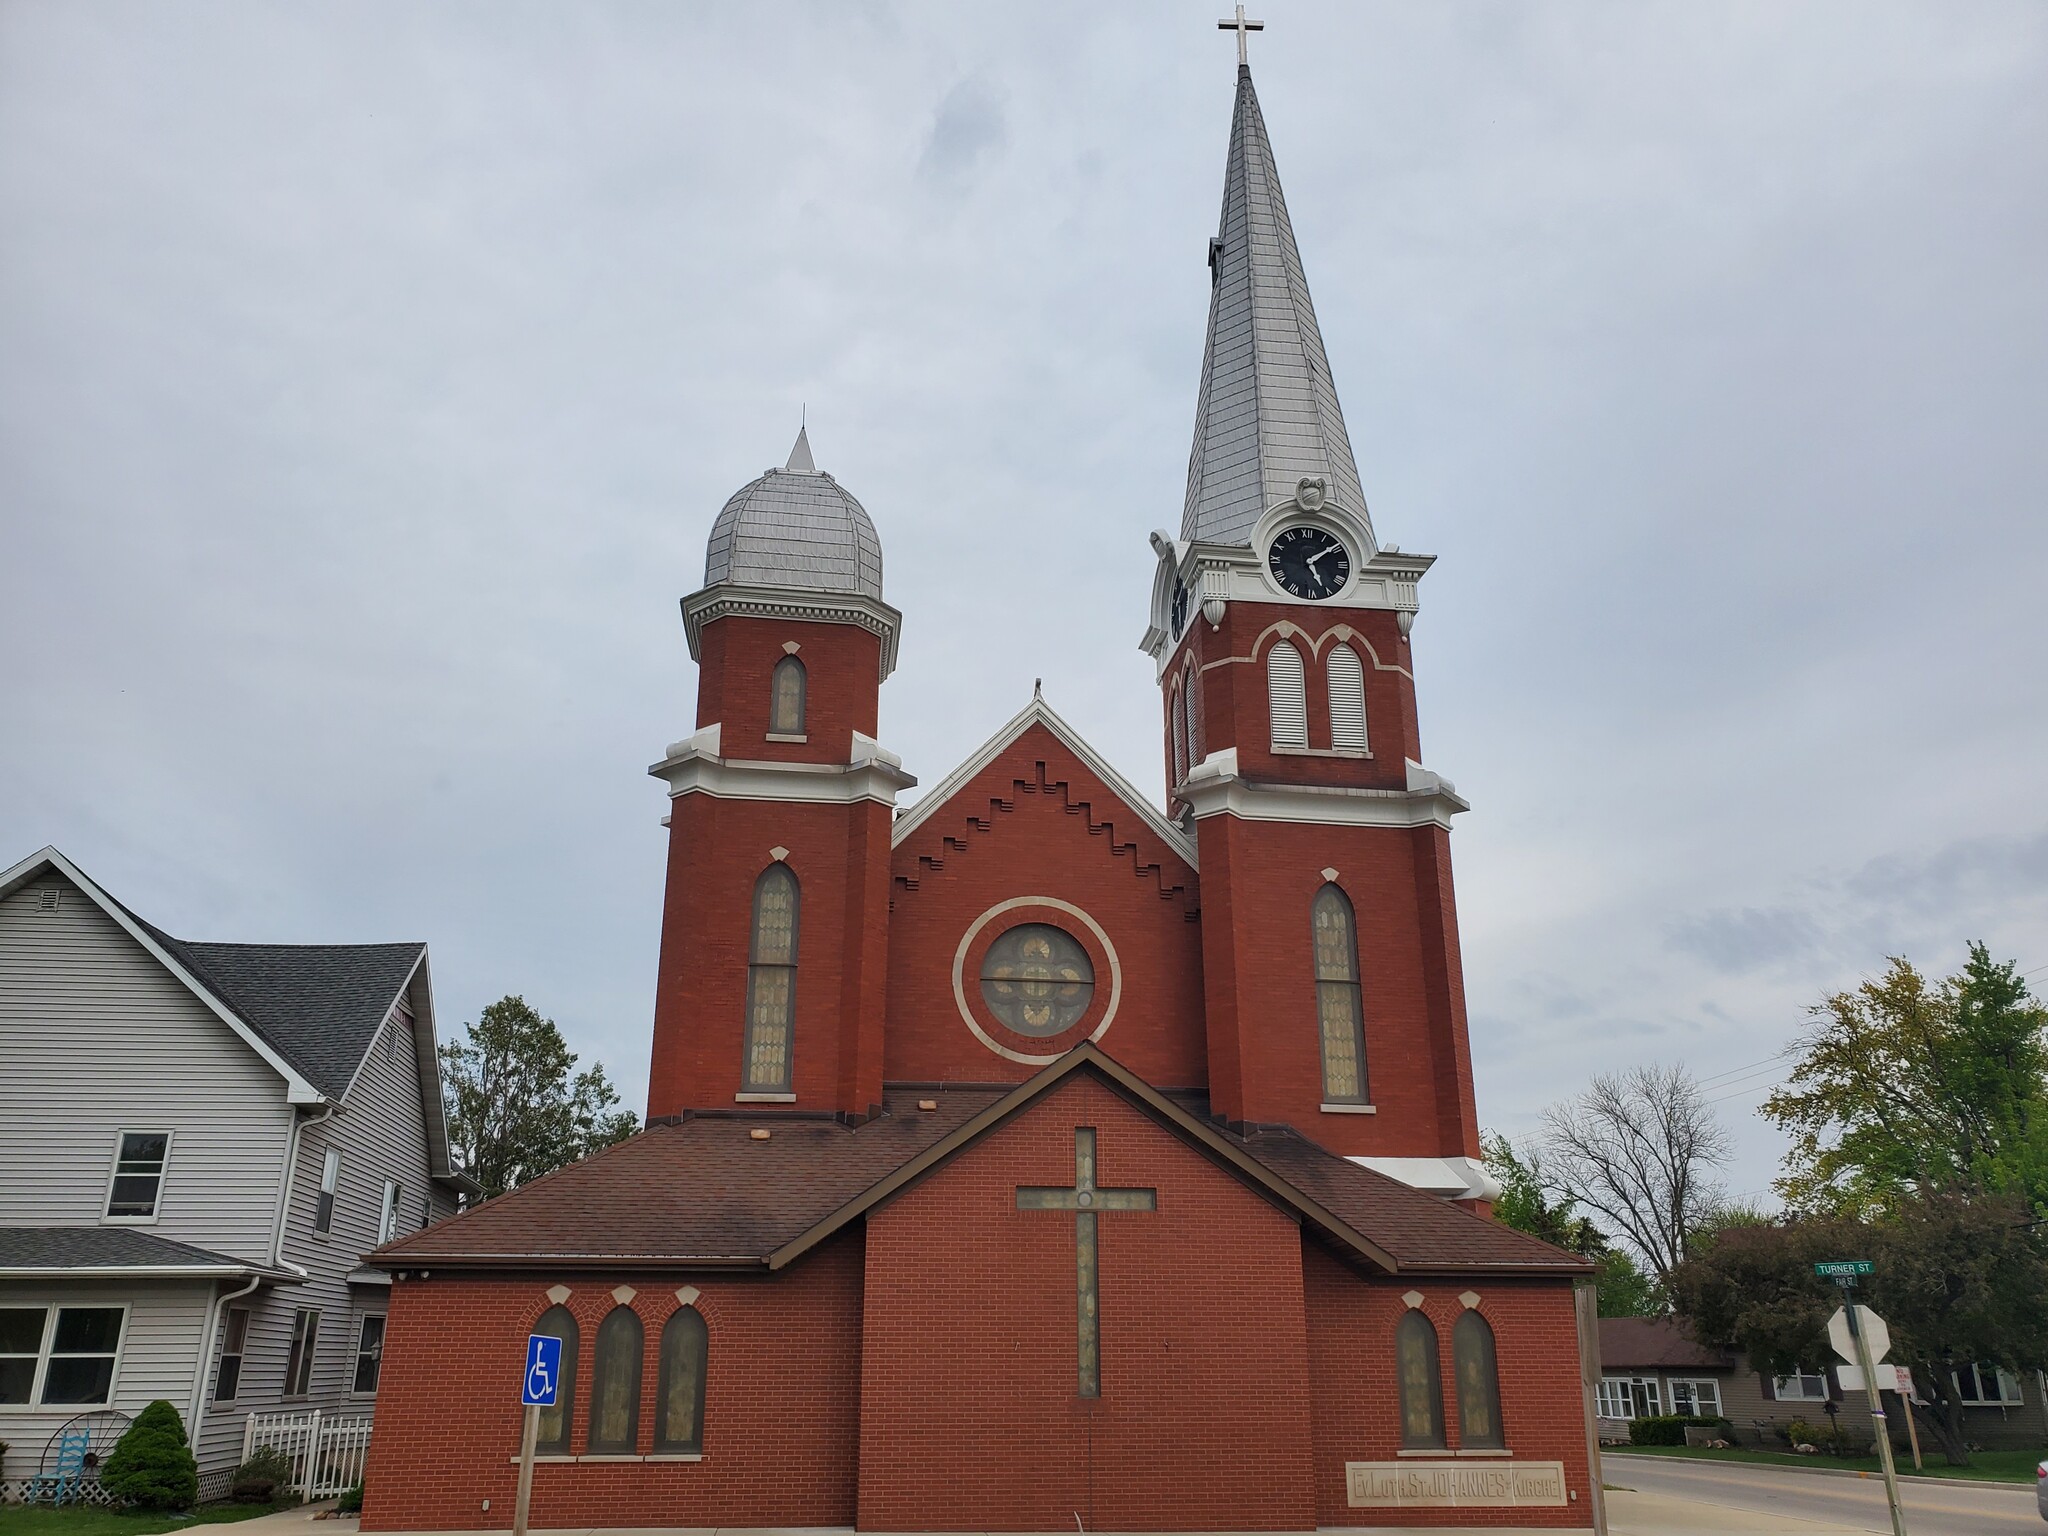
1281 633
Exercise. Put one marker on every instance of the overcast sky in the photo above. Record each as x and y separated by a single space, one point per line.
370 375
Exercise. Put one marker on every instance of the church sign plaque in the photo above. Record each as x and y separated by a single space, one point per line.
1453 1484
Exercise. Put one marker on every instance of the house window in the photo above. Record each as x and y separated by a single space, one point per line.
1630 1397
298 1364
387 1218
1699 1397
1347 700
771 981
1472 1359
139 1159
1287 696
681 1385
786 698
330 1175
83 1348
1422 1387
1338 1010
426 1212
228 1380
1983 1385
369 1354
615 1384
21 1350
1802 1386
558 1323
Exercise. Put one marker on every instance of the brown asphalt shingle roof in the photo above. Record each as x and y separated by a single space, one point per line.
703 1193
1644 1343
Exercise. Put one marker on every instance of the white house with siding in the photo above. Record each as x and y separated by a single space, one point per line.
198 1142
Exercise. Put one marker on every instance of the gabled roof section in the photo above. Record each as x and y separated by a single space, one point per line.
85 1253
1038 712
1267 416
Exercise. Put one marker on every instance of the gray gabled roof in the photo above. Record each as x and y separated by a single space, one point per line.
1267 416
795 527
67 1250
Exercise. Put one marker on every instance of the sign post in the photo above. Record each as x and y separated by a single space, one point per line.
1845 1273
537 1387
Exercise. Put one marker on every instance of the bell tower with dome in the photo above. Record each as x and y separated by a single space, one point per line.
779 811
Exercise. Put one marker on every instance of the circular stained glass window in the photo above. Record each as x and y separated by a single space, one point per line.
1037 980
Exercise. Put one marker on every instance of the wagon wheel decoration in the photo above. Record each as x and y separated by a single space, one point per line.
102 1428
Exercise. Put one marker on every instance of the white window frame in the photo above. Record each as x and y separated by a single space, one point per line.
239 1356
2010 1393
1694 1384
1792 1388
40 1378
1652 1390
355 1370
306 1359
328 1192
163 1175
387 1214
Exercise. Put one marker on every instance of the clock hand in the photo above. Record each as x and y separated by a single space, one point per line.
1312 559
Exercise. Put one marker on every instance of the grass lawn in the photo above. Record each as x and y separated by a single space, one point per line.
1985 1466
86 1520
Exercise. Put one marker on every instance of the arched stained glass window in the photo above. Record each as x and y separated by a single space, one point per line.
1422 1387
679 1399
615 1384
1339 1013
1478 1374
1287 695
1178 727
1347 699
557 1323
786 698
771 981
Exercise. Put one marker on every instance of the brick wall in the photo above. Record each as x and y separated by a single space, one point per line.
1350 1321
782 1393
970 1419
843 680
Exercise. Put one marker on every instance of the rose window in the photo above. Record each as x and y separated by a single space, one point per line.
1037 980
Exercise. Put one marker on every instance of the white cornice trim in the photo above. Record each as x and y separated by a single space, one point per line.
726 598
1215 788
1457 1178
693 767
1038 712
297 1089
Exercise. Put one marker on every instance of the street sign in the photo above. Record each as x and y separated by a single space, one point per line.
1875 1334
1890 1378
1843 1269
543 1371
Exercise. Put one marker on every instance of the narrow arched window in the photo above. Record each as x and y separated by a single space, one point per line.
1287 695
679 1424
786 698
1422 1387
1478 1376
553 1438
1339 1015
1192 692
771 981
1347 700
615 1384
1177 726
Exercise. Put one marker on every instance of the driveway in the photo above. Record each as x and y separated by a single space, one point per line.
1681 1498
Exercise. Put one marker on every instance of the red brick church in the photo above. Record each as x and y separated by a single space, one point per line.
1036 1157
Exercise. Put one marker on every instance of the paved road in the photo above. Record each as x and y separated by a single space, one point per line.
1857 1504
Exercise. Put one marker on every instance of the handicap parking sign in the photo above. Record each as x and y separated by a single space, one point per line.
543 1371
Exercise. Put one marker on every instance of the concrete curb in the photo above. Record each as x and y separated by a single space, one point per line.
1783 1466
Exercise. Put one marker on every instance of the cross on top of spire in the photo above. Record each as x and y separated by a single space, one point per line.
1243 29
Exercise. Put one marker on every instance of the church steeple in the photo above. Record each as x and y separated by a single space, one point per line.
1267 417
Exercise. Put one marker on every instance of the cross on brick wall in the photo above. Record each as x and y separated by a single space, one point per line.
1084 1200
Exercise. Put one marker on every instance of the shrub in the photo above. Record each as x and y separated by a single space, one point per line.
351 1502
257 1480
152 1467
1829 1440
1666 1428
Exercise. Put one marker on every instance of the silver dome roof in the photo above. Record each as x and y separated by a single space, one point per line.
795 527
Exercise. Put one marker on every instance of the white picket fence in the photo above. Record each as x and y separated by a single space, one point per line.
327 1451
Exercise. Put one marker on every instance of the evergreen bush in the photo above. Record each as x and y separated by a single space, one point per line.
260 1479
1667 1428
152 1466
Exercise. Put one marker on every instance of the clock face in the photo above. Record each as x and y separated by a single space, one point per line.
1180 607
1310 562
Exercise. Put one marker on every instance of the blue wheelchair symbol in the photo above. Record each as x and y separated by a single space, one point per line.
543 1371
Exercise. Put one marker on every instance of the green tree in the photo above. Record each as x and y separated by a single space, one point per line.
1958 1280
515 1111
1903 1086
1526 1205
151 1466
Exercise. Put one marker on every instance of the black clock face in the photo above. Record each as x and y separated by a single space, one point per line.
1310 562
1180 607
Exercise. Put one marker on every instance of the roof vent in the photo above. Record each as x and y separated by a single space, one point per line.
927 1103
760 1133
47 897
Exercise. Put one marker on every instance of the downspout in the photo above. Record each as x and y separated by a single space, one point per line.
197 1416
291 1171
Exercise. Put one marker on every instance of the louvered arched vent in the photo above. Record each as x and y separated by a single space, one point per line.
1347 700
1287 695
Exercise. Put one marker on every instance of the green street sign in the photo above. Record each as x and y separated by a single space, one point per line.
1842 1269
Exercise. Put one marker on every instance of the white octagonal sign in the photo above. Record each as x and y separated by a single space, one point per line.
1875 1334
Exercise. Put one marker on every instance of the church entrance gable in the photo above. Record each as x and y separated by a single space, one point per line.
1080 1316
1037 839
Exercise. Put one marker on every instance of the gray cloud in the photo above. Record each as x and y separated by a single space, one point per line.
967 130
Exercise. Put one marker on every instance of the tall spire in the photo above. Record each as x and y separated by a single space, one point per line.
1267 417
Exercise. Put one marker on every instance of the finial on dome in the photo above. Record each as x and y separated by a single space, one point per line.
800 456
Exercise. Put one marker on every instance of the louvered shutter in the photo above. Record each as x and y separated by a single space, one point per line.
1347 700
1193 694
1287 695
1179 727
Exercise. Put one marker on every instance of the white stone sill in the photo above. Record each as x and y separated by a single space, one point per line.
545 1461
1449 1455
785 736
764 1098
1349 1109
1349 753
